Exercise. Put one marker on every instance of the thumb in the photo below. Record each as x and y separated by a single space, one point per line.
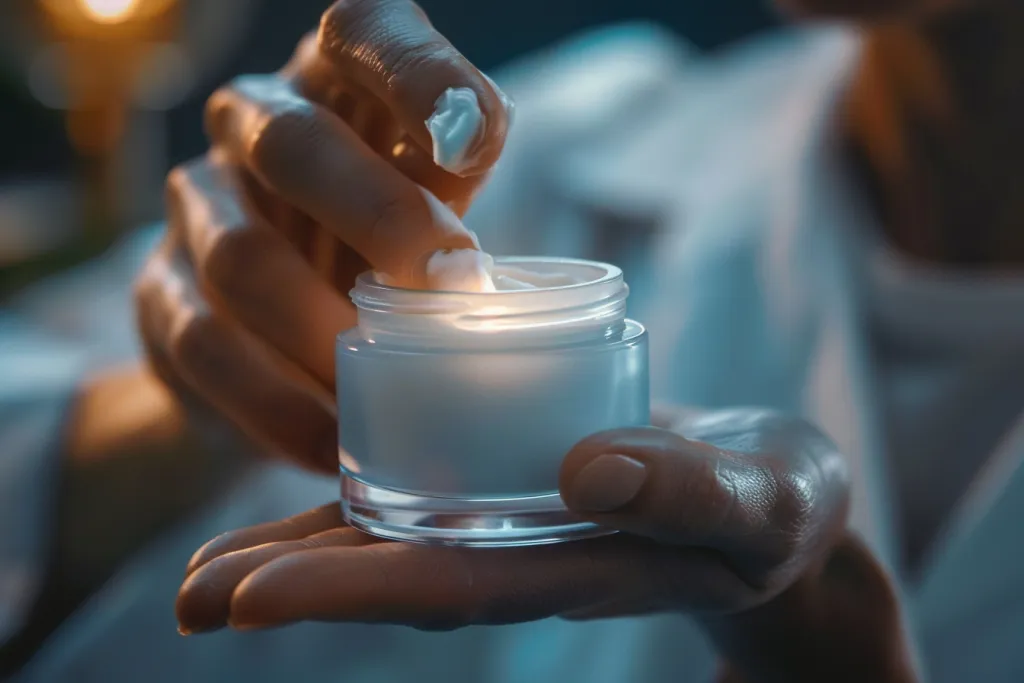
760 509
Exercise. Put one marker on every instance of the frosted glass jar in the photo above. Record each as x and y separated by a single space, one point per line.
456 409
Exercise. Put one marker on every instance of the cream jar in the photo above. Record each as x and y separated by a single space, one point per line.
456 409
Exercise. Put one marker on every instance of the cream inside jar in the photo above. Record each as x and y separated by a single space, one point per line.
473 270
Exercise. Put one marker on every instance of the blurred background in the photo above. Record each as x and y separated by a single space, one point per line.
99 98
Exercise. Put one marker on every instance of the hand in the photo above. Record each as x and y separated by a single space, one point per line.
728 516
314 175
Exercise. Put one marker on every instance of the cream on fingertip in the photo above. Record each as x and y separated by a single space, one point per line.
457 126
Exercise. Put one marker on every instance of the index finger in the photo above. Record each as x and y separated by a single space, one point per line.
311 159
390 48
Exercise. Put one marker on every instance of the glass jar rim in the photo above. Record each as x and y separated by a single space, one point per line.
367 281
594 305
369 294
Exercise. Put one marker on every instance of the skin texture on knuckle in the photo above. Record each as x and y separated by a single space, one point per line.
177 189
176 184
788 487
218 109
348 23
144 290
808 511
223 242
361 29
276 145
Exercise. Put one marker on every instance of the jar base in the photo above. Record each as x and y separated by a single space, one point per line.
484 523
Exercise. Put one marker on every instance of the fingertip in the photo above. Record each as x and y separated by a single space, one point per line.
195 606
468 127
425 226
499 114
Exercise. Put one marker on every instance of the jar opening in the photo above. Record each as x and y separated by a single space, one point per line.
593 302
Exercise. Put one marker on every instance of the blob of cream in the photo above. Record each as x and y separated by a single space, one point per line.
472 270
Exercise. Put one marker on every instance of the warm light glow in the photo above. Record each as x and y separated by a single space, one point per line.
109 11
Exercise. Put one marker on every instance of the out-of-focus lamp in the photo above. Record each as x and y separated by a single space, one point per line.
101 52
113 67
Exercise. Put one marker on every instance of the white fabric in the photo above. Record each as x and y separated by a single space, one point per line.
947 349
717 183
37 378
50 337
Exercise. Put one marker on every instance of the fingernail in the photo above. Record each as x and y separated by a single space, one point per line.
607 483
184 631
456 126
506 101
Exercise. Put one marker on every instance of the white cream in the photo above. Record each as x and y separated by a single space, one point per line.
456 126
460 270
508 278
472 270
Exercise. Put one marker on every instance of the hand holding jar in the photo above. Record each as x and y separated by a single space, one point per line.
735 517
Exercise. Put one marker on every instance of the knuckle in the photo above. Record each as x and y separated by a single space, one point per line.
282 137
393 37
792 517
175 186
343 20
390 213
145 284
230 257
796 502
191 342
180 189
217 107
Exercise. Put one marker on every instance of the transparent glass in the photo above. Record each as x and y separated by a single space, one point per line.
456 409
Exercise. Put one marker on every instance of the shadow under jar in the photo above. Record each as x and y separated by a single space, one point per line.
456 409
